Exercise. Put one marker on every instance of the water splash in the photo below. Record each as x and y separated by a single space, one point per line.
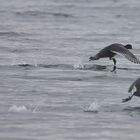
78 65
93 107
20 109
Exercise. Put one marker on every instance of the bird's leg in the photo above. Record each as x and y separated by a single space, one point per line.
114 60
128 99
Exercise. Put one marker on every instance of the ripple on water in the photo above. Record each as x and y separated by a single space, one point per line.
40 14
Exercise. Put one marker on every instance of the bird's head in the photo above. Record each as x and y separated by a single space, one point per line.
128 46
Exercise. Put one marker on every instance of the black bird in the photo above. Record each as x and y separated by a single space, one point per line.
135 85
114 49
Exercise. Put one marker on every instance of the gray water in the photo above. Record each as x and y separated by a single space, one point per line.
48 88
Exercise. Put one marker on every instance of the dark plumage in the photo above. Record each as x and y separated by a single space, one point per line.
114 49
135 85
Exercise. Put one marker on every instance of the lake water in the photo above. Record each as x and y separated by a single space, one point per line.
48 88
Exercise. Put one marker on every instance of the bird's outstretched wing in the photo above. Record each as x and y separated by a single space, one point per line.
126 53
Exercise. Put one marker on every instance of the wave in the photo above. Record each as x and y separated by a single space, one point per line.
78 66
12 34
128 68
68 66
65 15
9 33
35 13
30 13
132 110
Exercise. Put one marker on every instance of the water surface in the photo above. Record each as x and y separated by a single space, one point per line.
48 88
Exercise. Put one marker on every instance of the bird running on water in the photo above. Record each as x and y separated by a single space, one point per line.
114 49
135 85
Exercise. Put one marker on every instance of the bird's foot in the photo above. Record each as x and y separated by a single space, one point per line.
114 68
126 99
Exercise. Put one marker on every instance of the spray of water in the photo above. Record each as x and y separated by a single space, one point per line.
78 65
93 107
15 108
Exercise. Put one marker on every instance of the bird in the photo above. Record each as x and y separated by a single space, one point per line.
114 49
135 85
